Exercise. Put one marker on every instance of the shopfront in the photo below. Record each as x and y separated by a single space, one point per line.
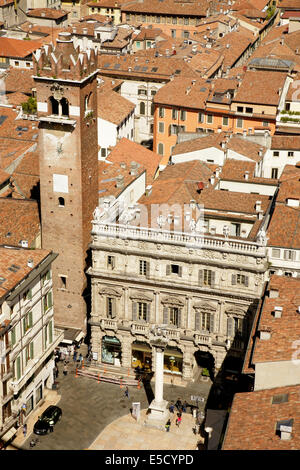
173 359
141 355
111 350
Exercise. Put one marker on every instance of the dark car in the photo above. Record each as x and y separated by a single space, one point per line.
47 420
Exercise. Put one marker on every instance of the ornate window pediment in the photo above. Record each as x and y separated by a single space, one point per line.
204 306
109 291
235 311
174 301
140 297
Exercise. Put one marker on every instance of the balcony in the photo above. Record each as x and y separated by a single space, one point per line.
57 119
202 338
288 119
140 329
109 324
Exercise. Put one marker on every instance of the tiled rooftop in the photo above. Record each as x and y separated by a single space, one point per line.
261 87
48 13
19 220
17 48
17 259
113 107
253 419
127 151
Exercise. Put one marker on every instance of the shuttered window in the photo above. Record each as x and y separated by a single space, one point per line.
206 277
144 267
110 307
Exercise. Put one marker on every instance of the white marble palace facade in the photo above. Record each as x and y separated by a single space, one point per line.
205 289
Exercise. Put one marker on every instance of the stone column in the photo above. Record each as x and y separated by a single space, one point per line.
159 374
158 412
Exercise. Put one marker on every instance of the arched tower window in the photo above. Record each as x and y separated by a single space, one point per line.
142 107
64 107
54 105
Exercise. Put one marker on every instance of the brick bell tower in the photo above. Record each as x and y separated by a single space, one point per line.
66 89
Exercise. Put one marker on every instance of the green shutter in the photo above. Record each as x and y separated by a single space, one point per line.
50 332
31 350
50 299
30 319
24 325
13 336
18 368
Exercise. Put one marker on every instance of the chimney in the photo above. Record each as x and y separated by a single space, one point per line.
133 168
148 190
260 152
218 171
120 181
192 204
30 263
258 206
246 175
277 312
194 49
212 179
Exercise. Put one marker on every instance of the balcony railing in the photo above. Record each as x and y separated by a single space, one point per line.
202 338
115 230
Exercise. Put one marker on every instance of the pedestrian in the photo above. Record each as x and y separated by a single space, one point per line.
184 406
80 359
178 405
168 424
178 420
65 371
56 372
126 393
24 429
172 407
75 355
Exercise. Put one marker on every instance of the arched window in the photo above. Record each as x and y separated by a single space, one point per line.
142 107
64 107
61 202
54 105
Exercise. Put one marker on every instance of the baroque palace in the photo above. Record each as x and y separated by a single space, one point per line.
204 288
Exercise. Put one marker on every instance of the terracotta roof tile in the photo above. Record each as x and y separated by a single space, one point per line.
19 220
18 48
169 7
113 107
253 419
48 13
126 151
19 258
261 87
18 80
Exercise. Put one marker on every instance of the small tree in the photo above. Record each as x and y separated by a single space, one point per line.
30 106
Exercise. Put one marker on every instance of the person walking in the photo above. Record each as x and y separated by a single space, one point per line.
126 393
178 420
24 430
168 424
75 355
172 407
184 406
178 405
80 360
65 371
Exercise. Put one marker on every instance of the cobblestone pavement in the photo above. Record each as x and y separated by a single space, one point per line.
92 410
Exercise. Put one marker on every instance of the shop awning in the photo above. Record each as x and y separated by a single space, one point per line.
71 335
141 347
173 352
110 340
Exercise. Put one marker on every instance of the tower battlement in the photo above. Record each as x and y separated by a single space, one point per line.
64 61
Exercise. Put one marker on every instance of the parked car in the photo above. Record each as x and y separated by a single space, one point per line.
47 420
